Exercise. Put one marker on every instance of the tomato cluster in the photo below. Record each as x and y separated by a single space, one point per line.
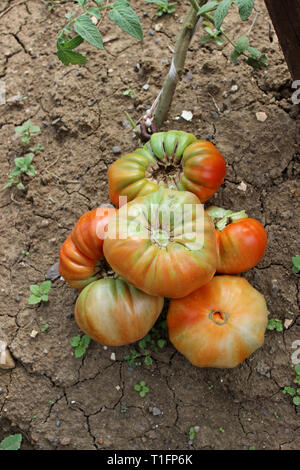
160 243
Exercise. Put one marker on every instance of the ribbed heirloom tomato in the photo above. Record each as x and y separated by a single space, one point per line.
81 253
173 159
114 313
241 244
220 324
162 243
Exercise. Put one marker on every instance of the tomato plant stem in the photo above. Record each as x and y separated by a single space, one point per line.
182 43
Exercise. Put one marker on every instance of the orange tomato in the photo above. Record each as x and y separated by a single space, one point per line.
114 313
220 324
159 259
173 159
241 244
82 251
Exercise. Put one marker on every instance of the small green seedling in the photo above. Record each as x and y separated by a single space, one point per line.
192 433
221 429
296 264
129 93
164 7
252 448
12 442
28 131
25 252
39 293
44 327
275 324
141 388
294 392
22 166
80 344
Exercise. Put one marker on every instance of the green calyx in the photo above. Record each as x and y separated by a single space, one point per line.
224 216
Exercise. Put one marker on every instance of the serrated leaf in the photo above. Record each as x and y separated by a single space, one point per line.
221 12
85 341
124 17
245 8
45 287
33 299
259 62
12 442
72 44
34 289
209 6
94 12
75 341
79 351
70 57
242 44
88 31
255 53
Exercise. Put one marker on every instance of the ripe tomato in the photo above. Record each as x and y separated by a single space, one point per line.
82 251
241 244
114 313
162 243
220 324
172 159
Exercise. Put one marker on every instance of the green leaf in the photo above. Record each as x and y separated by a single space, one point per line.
192 433
94 12
75 341
85 341
148 360
70 57
234 56
20 186
245 8
221 12
161 343
275 324
12 442
289 390
33 299
209 6
72 44
242 44
137 387
44 298
296 400
45 287
88 31
34 288
296 264
44 327
297 369
79 351
124 17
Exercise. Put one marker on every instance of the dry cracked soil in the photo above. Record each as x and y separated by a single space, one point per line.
58 401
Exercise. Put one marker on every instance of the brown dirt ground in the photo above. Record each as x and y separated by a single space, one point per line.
57 401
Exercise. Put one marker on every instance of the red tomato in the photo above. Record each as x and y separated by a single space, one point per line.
114 313
173 159
82 251
241 244
220 324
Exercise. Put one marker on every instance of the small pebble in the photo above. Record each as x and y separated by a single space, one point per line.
1 391
105 348
242 186
234 88
156 411
17 299
196 428
146 87
113 356
261 116
116 150
57 424
151 32
34 333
